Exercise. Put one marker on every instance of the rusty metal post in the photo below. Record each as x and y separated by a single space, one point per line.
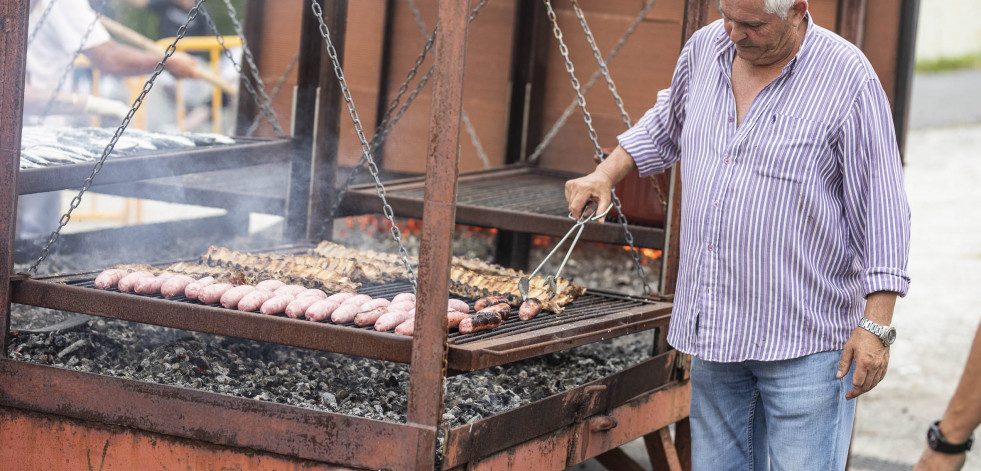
439 213
13 58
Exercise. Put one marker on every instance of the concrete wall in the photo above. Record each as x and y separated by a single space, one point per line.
948 28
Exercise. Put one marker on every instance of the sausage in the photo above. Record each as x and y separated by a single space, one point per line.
404 297
391 319
357 300
298 307
369 317
374 304
211 294
344 314
321 310
192 290
128 282
488 301
290 289
503 310
340 297
529 309
453 318
253 301
148 285
458 305
317 293
276 304
270 285
108 278
406 327
402 306
482 320
230 298
175 285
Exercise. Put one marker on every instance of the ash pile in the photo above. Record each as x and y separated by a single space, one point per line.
325 381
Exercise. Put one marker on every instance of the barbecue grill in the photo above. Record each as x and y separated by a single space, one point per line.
128 421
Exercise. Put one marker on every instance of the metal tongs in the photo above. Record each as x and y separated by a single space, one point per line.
588 214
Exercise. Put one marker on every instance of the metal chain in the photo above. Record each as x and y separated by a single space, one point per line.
115 138
71 64
273 94
258 96
662 199
365 149
588 119
559 123
40 22
467 124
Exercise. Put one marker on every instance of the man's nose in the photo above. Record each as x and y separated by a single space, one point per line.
737 33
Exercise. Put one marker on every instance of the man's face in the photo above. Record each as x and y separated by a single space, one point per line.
761 38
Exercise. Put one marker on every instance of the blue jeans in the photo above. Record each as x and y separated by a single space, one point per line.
788 415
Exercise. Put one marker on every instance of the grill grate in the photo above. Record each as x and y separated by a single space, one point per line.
533 193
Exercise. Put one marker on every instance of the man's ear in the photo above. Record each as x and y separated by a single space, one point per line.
798 11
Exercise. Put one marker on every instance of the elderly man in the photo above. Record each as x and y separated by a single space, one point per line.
794 232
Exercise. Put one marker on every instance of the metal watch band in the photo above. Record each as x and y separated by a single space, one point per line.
870 326
939 443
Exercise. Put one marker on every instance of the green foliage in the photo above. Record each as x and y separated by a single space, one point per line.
949 63
139 19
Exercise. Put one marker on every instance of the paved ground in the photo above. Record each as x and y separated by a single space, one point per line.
937 320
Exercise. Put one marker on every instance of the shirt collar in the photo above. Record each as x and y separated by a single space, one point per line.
725 47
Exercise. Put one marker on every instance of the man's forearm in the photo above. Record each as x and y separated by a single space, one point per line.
879 307
963 413
617 165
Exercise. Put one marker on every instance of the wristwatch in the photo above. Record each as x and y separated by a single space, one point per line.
938 443
885 333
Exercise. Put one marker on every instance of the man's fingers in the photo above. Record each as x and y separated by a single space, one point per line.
845 362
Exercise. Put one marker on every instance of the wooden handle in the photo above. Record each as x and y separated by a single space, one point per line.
149 45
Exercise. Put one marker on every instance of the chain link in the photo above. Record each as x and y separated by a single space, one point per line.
40 22
71 64
159 68
273 94
662 199
258 96
365 149
588 119
559 123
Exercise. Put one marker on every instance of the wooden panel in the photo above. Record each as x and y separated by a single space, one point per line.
881 40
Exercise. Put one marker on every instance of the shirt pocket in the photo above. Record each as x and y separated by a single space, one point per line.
789 145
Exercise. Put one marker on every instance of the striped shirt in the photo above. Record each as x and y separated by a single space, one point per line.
790 219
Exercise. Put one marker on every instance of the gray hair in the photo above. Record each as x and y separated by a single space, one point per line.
778 7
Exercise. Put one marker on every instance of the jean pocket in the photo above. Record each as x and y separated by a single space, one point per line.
789 147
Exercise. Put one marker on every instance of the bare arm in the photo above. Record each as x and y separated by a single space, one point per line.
962 416
115 58
597 185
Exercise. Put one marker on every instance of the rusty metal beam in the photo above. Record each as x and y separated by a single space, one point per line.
13 58
442 168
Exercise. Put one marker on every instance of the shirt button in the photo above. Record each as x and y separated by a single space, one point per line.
711 247
730 119
726 161
715 204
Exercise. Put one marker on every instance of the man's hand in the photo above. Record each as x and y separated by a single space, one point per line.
933 461
182 65
599 184
871 357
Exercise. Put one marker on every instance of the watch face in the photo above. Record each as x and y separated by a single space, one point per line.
890 335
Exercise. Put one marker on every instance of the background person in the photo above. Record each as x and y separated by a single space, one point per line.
794 232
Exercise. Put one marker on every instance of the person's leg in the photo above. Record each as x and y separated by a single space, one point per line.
728 430
809 422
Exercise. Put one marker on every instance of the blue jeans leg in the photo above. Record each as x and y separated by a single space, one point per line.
788 415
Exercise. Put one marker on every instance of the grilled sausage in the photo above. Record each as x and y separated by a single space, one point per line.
175 285
489 301
211 294
192 290
406 328
503 310
128 282
276 304
290 289
298 307
404 297
458 305
369 317
147 285
230 298
529 309
402 306
482 320
108 278
340 297
321 310
344 314
317 293
374 304
357 300
391 319
270 285
454 317
253 301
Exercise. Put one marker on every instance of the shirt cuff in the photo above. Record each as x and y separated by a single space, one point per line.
643 149
886 279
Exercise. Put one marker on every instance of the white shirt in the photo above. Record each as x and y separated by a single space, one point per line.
60 36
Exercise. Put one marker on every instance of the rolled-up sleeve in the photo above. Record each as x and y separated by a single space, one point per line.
653 141
875 204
